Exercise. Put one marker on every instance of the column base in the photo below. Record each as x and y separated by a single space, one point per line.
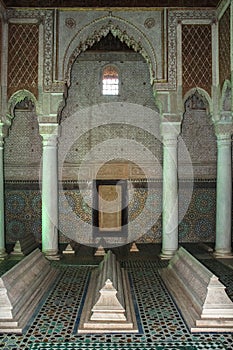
223 254
3 254
167 254
51 255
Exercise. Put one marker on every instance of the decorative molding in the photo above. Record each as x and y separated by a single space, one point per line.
70 23
149 23
223 5
48 53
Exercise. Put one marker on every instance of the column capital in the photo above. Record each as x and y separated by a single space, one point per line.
223 130
170 129
3 130
48 130
171 118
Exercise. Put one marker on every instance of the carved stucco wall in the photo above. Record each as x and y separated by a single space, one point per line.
23 147
198 134
86 90
141 29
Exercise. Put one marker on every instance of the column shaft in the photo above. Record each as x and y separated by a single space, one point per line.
170 197
2 212
224 196
50 197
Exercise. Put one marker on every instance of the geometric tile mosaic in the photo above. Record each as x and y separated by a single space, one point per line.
23 213
54 324
133 346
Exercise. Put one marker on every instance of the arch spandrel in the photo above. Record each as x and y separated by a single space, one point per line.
92 33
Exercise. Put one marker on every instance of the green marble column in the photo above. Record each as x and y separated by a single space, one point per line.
170 133
224 196
3 253
49 183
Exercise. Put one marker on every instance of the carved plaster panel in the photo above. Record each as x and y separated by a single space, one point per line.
91 26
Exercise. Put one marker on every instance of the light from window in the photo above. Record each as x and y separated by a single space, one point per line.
110 81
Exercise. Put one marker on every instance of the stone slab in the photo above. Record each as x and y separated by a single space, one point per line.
22 288
106 319
198 293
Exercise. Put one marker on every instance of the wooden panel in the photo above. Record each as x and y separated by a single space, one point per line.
110 202
110 208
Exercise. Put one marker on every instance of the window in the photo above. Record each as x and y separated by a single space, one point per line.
110 81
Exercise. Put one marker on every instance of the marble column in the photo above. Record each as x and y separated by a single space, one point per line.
3 253
49 183
170 133
224 193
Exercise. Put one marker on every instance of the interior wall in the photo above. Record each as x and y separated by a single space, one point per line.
23 154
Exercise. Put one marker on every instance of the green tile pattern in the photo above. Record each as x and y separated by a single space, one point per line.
107 346
126 346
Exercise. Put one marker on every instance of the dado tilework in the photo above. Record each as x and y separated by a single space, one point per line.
197 221
161 326
23 214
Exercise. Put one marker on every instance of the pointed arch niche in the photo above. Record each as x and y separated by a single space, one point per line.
23 147
197 132
85 90
84 81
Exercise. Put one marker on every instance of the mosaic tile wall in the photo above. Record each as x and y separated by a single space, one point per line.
23 212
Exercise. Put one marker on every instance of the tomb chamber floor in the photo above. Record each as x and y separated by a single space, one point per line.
55 322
